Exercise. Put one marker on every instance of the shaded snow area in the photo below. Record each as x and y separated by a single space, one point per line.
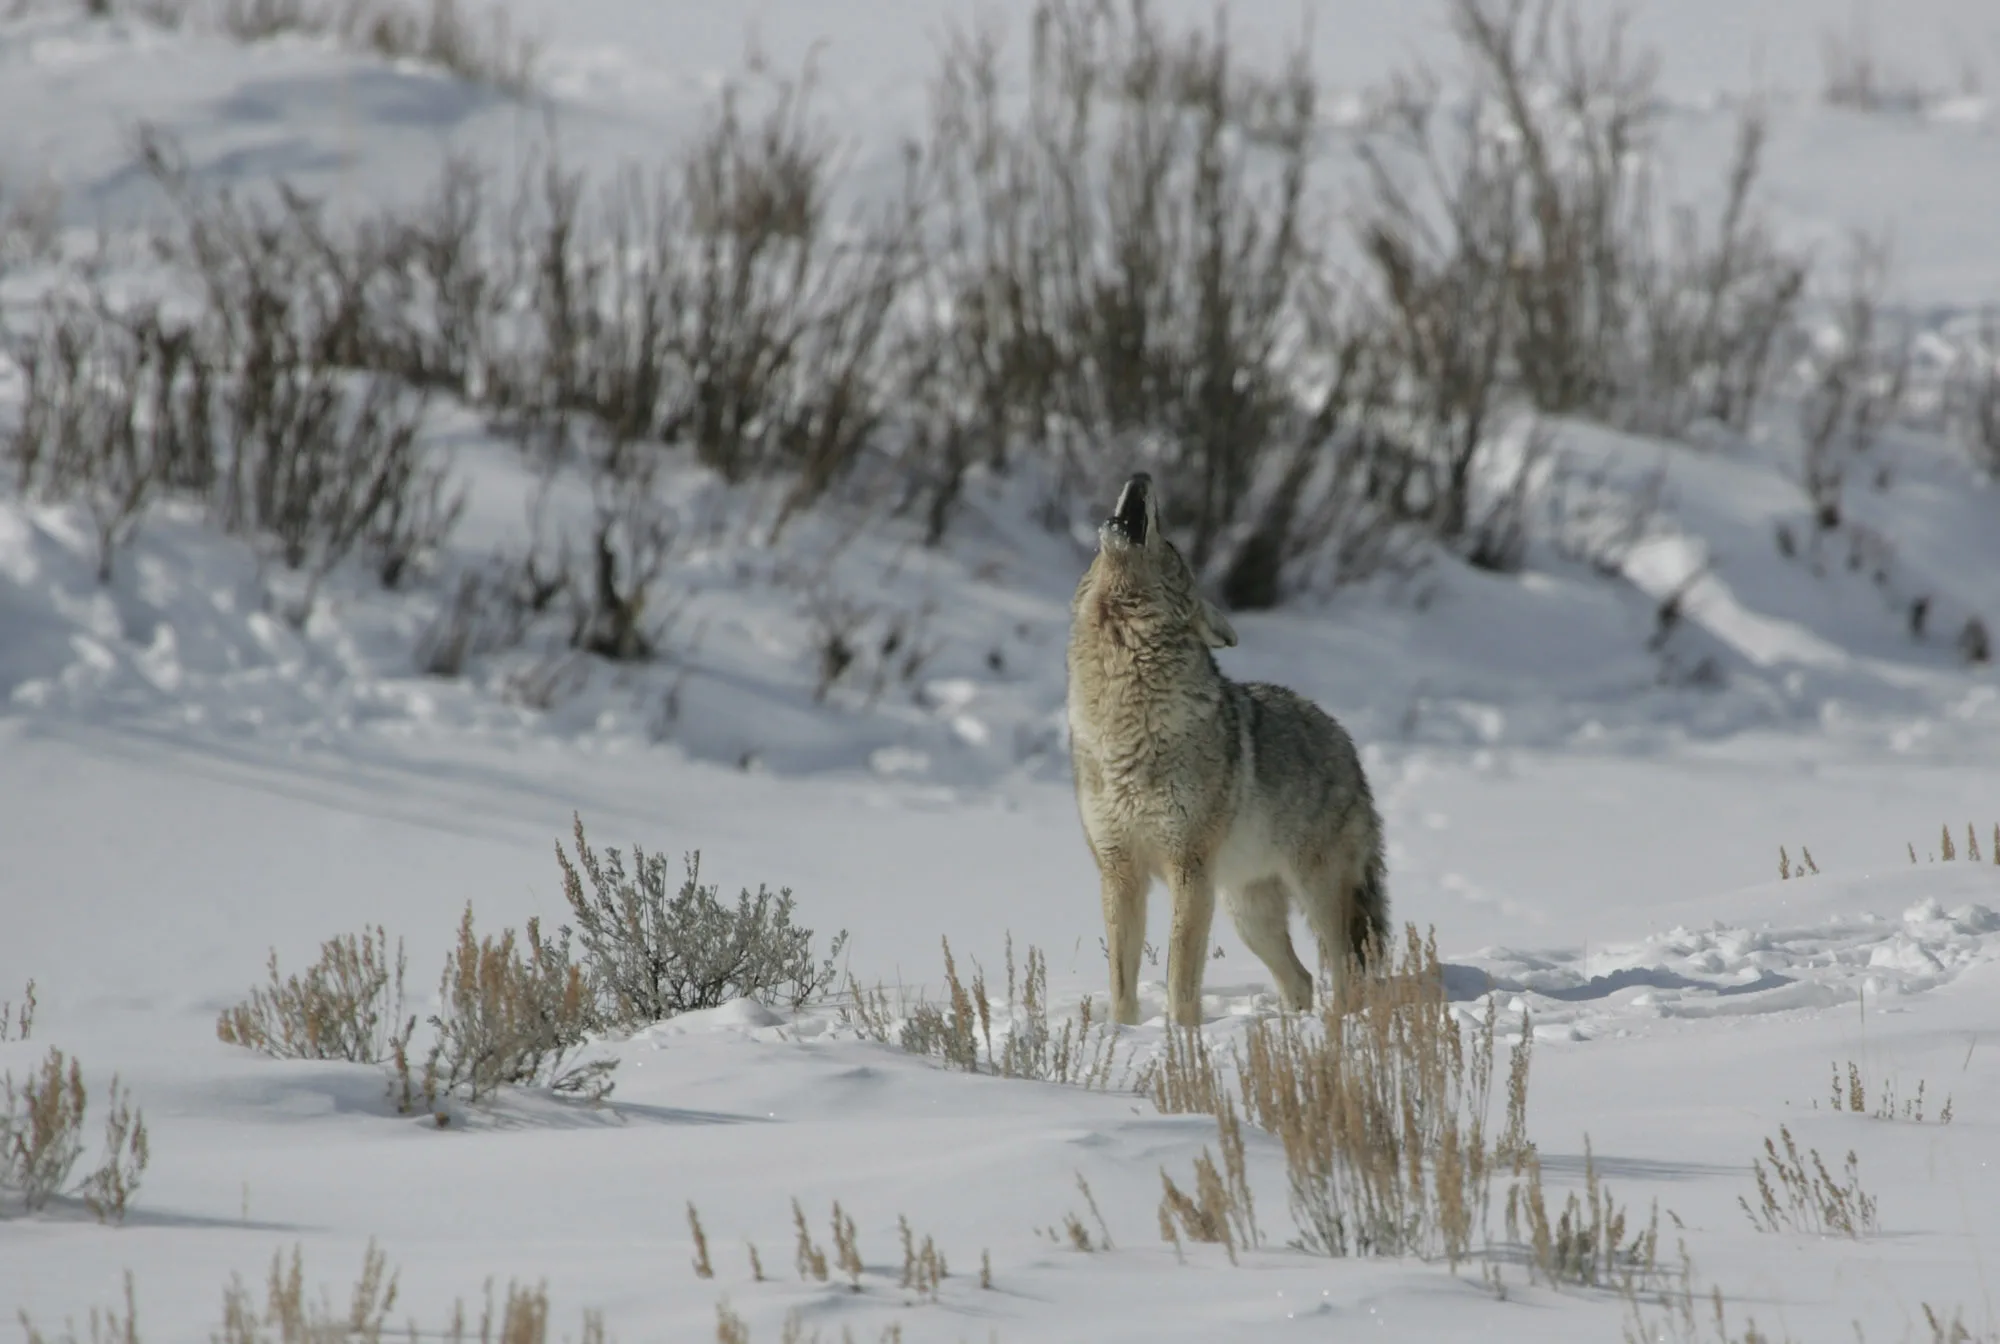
1586 763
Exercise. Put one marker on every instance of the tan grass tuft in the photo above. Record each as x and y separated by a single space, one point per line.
1851 1093
347 1005
512 1019
811 1259
846 1250
1381 1107
1097 1214
287 1315
702 1268
1797 1193
18 1024
1586 1244
1183 1078
41 1140
107 1326
924 1267
961 1032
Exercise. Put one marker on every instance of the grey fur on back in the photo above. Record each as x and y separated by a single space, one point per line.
1209 784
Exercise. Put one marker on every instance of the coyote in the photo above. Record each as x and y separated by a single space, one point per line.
1205 782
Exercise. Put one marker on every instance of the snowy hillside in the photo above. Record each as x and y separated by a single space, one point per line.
1590 726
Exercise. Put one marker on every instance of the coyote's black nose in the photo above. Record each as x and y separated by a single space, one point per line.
1129 515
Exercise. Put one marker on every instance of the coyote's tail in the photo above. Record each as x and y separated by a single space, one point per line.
1368 920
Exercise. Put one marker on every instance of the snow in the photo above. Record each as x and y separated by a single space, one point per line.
1589 822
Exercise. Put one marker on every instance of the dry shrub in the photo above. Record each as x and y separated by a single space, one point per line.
1851 1095
811 1259
248 407
105 413
1947 851
41 1139
1381 1106
434 32
1796 1193
1222 1208
1805 868
295 431
1856 380
1550 272
1586 1244
1074 1230
513 1019
1953 1329
924 1267
650 951
348 1005
961 1031
703 1268
108 1325
846 1250
18 1024
1184 1077
717 303
1126 270
288 1316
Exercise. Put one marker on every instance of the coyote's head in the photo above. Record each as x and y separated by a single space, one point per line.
1141 579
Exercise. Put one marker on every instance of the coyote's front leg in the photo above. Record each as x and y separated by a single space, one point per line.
1187 943
1125 884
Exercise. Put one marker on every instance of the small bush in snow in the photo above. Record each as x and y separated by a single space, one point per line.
652 950
41 1139
348 1005
1796 1193
512 1013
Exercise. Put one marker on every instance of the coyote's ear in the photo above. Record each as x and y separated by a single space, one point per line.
1213 626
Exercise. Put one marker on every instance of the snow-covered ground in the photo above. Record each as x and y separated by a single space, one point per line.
1588 817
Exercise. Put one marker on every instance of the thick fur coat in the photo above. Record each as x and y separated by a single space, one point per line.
1208 784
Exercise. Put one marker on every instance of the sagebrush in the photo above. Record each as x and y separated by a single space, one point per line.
651 949
348 1005
42 1120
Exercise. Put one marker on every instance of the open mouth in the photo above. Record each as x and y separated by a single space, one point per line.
1128 516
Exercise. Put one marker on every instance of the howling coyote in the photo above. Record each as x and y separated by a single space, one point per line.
1208 783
